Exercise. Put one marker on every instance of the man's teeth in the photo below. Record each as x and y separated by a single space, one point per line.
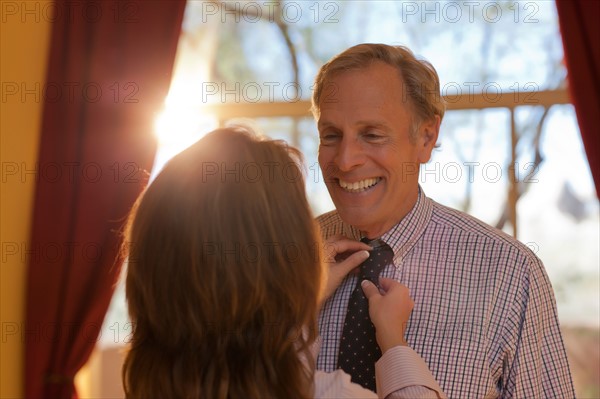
359 185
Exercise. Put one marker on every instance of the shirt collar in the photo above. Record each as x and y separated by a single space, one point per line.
403 235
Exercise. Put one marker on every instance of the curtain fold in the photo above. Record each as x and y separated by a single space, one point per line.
580 30
108 74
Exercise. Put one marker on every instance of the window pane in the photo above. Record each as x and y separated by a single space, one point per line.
469 171
559 219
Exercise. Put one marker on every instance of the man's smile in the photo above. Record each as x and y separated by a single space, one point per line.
358 186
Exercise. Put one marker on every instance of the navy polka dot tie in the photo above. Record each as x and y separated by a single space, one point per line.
358 347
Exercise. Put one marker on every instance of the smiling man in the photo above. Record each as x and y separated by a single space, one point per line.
371 144
484 318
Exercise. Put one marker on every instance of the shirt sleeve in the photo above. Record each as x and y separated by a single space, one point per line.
337 385
535 364
402 373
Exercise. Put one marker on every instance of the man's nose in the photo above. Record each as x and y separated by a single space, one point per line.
350 154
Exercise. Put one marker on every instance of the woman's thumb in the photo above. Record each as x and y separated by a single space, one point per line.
369 289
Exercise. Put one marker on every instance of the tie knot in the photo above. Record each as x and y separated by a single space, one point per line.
381 255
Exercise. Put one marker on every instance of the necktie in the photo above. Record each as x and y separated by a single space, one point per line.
358 347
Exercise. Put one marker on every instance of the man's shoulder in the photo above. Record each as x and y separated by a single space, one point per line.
469 225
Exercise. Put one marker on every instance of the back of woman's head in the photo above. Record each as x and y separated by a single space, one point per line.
223 273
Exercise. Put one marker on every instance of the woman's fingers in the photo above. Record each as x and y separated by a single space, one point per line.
342 255
338 245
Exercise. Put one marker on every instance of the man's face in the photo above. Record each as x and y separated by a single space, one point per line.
367 157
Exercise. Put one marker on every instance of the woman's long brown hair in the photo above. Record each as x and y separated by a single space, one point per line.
224 275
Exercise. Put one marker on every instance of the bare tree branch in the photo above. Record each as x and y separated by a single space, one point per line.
524 184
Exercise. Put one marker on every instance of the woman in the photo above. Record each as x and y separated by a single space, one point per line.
225 278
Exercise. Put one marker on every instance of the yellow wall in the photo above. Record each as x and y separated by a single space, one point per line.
25 33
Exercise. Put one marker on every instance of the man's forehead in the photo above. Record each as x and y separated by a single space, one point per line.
364 88
373 121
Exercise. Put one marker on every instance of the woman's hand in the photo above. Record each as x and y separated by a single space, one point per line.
389 310
342 255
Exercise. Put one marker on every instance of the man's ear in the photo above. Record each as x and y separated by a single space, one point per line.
428 135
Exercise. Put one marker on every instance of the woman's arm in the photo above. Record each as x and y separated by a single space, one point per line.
400 372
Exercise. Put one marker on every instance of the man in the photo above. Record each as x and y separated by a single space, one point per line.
485 317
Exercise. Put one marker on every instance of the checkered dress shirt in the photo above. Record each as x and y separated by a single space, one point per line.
484 318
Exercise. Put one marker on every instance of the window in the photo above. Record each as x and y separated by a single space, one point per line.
510 153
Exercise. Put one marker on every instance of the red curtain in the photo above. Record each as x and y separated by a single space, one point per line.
580 31
108 74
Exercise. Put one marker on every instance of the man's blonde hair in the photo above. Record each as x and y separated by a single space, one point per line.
421 81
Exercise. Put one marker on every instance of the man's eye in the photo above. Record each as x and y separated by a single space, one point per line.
372 136
329 137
